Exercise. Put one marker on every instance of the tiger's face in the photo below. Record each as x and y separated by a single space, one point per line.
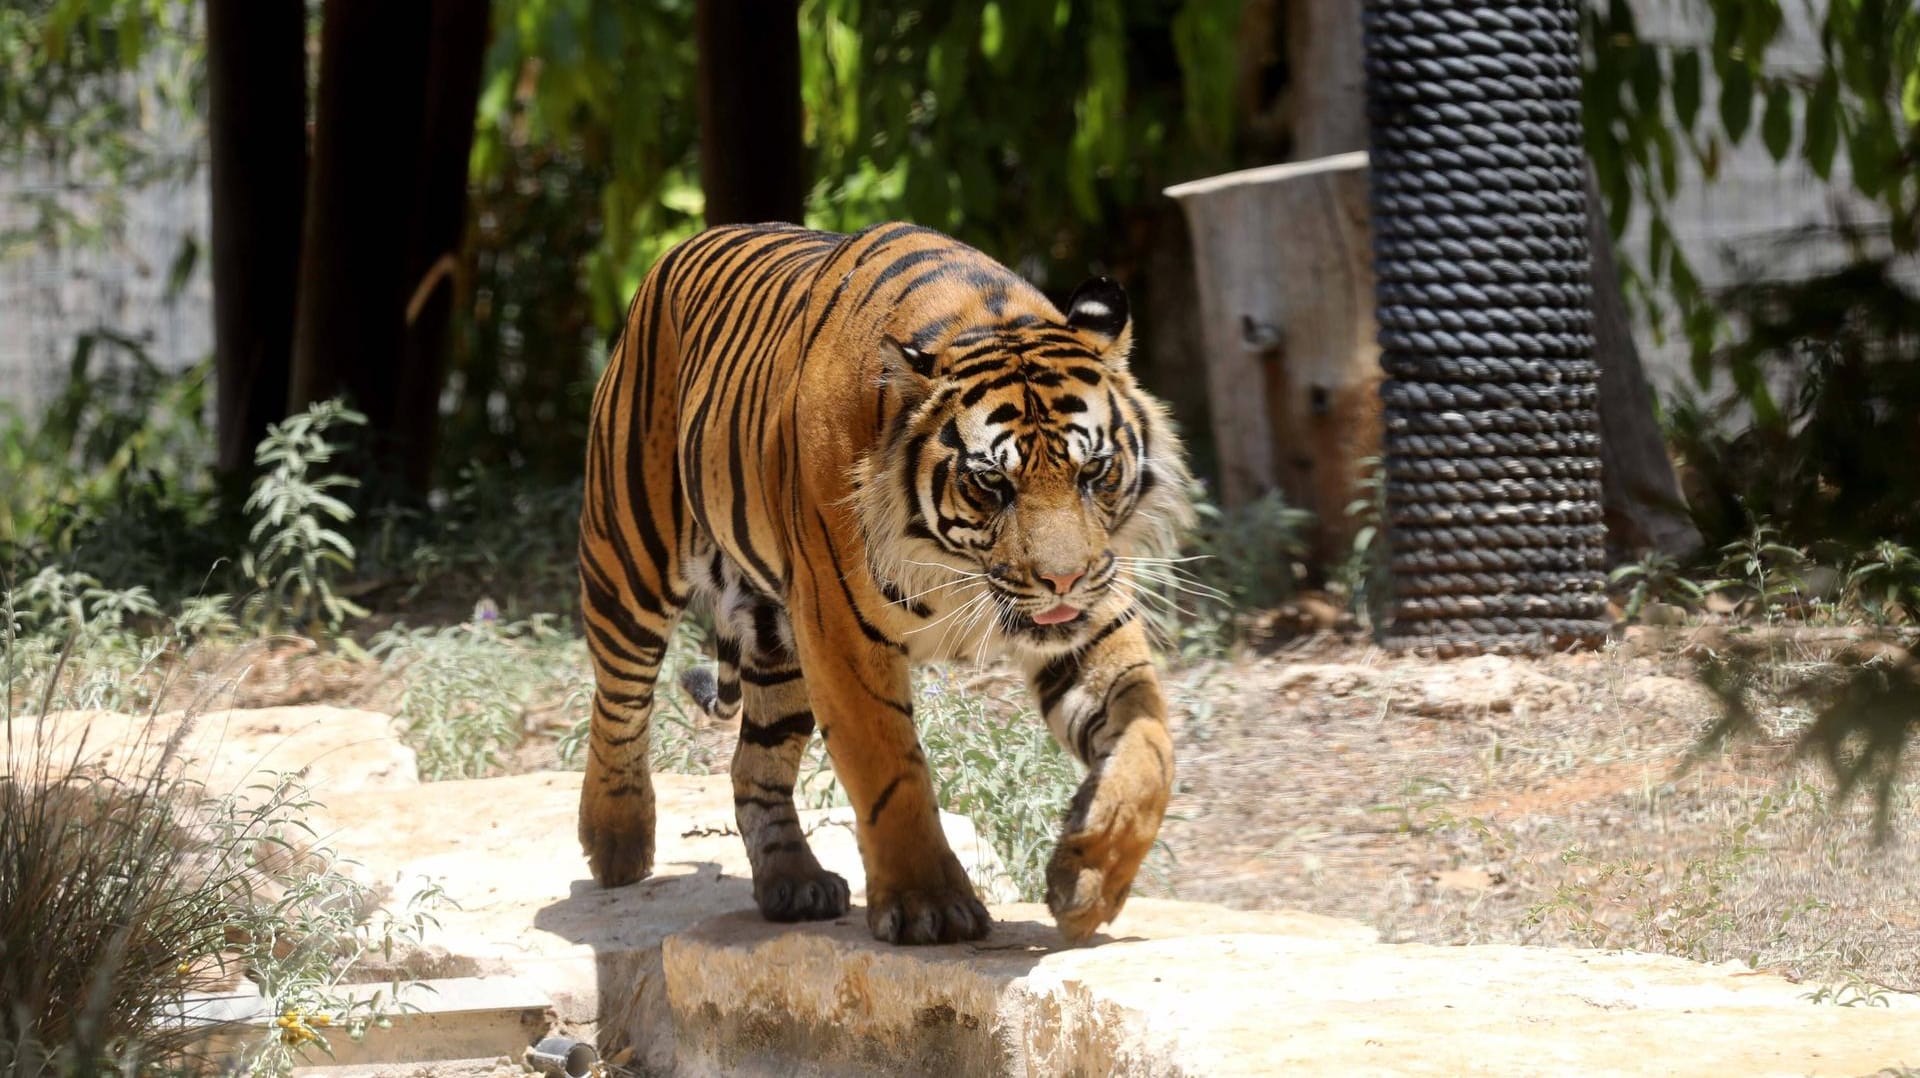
1026 477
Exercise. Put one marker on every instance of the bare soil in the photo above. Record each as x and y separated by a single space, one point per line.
1543 801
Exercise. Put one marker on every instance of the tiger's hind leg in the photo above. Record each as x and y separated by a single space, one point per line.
628 626
634 544
775 725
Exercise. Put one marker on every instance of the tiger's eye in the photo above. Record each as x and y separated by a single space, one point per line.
994 482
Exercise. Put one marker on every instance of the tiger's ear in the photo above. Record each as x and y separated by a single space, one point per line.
1098 309
907 368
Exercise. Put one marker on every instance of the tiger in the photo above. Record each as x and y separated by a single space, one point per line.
861 451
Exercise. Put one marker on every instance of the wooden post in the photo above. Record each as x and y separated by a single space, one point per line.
1282 257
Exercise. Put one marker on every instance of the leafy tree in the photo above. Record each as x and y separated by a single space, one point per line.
1038 132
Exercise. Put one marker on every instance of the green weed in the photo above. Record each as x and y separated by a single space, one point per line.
298 551
993 761
468 690
1658 578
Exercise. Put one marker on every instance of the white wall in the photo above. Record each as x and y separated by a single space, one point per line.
49 296
1750 213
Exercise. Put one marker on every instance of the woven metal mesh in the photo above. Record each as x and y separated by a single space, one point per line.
1480 253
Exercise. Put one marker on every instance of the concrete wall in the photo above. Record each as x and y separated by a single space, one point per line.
50 294
1750 217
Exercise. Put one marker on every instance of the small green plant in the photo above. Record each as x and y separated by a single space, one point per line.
1854 991
1656 578
1884 583
1771 570
1236 560
468 689
1644 905
297 548
1364 576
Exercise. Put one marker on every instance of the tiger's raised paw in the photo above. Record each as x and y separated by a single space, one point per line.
1092 870
816 895
940 915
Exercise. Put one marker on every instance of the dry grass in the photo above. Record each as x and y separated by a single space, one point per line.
1539 802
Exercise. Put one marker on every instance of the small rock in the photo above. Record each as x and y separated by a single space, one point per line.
1663 614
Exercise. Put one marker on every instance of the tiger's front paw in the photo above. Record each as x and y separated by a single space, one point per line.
926 903
616 830
1110 828
935 915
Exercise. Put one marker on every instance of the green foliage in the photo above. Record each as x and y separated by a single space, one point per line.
297 550
468 689
1030 130
1644 120
1025 129
116 467
77 77
1771 572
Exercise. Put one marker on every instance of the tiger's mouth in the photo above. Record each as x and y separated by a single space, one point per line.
1060 614
1045 621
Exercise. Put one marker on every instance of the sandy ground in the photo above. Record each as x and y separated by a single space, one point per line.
1541 801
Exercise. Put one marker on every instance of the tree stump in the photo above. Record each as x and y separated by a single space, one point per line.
1285 277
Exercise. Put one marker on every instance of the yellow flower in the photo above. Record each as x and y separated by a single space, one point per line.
183 968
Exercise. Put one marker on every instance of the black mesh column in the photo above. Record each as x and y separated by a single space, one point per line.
1480 256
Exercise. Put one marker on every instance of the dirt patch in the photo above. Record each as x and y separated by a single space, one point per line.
1546 802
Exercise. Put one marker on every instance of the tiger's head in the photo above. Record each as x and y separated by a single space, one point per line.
1023 474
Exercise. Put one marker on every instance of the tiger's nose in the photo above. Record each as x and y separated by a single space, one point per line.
1063 582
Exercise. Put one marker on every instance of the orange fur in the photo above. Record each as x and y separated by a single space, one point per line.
864 450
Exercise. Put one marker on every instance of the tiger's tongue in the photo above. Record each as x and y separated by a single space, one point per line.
1058 614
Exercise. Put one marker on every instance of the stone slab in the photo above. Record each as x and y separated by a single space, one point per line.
1175 989
519 898
338 751
425 1021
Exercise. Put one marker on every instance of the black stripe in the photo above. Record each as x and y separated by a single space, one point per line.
880 803
753 676
774 734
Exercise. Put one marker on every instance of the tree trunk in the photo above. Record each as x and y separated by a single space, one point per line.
1286 302
354 283
749 98
1327 88
256 124
1639 493
435 261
